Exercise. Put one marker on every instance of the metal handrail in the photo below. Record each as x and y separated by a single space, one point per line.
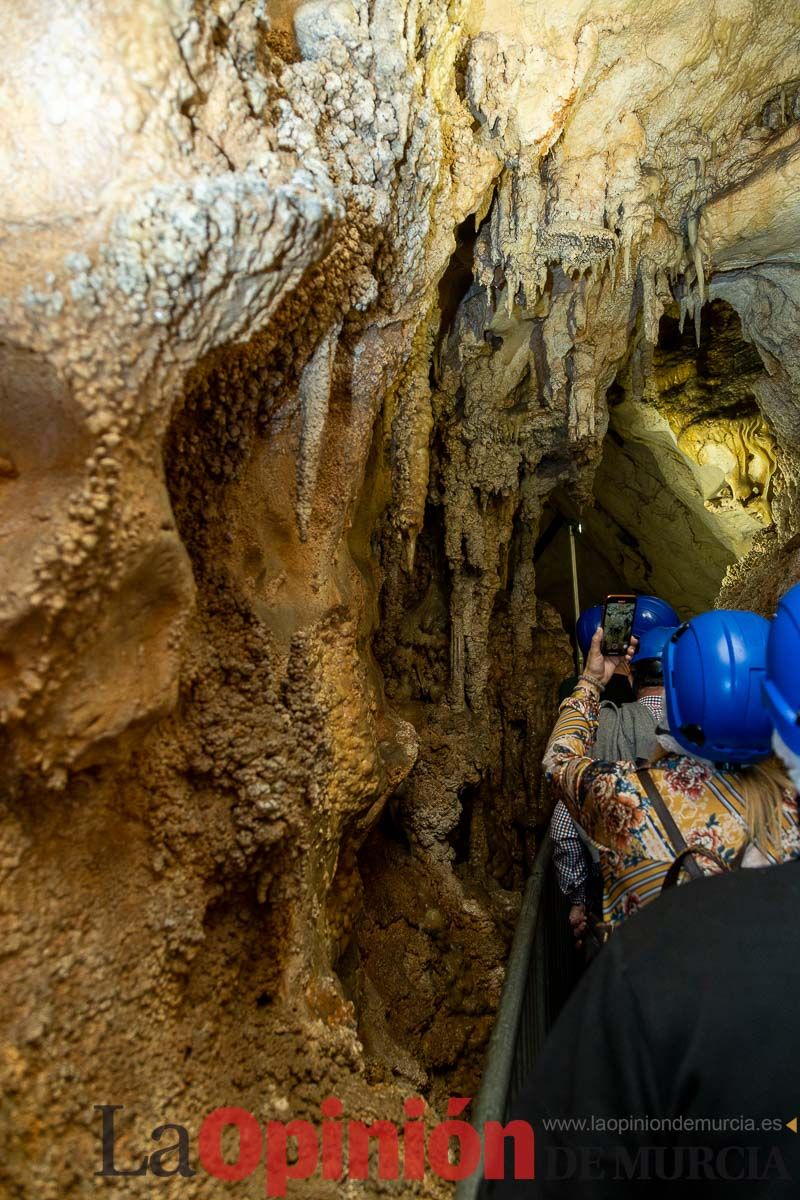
535 986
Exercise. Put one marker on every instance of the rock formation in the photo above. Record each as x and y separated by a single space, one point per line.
315 318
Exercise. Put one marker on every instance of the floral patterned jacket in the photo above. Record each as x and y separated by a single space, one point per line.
609 802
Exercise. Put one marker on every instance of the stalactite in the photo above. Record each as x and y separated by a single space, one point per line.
411 432
314 393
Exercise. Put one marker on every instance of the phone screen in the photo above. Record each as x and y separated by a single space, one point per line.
618 623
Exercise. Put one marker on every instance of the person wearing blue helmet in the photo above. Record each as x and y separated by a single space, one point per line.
701 806
620 688
627 732
782 682
689 1012
648 652
714 666
587 623
651 612
717 709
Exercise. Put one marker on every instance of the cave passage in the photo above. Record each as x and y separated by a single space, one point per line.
683 486
684 482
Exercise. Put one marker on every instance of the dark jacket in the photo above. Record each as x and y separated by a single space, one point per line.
692 1012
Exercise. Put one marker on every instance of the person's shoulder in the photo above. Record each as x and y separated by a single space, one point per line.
713 911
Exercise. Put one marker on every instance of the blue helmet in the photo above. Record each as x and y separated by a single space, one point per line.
714 666
651 613
652 642
782 683
588 621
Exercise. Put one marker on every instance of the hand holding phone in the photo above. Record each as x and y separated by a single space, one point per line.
618 617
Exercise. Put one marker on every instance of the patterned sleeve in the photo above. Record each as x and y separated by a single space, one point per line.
603 797
569 856
790 827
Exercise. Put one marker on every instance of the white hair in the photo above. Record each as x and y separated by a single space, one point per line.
788 757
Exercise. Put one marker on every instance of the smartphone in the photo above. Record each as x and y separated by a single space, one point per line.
618 615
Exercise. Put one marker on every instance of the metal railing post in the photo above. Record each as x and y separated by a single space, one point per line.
492 1098
576 600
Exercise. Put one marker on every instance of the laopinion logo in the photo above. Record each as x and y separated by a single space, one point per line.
333 1147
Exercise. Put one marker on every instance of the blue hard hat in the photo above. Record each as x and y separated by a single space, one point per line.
714 666
651 612
782 683
652 642
588 621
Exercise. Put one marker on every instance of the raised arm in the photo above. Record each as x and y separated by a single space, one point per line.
604 798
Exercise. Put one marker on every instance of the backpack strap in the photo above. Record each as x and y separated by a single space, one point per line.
684 856
683 860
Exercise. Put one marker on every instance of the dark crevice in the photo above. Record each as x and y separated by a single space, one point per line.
459 838
458 278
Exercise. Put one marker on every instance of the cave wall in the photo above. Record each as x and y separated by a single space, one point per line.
306 310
